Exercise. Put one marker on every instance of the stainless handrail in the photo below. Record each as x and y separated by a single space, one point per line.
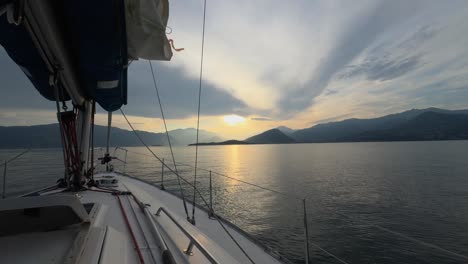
210 208
193 240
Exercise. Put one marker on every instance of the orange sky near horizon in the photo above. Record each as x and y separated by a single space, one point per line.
214 124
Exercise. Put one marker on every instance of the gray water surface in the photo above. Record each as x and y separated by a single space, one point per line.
400 202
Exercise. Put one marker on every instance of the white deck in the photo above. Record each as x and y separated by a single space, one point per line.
106 238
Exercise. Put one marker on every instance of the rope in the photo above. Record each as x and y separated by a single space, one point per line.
186 181
167 134
135 242
62 133
140 227
198 114
171 41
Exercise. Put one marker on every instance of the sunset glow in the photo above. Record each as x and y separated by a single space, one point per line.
233 120
400 58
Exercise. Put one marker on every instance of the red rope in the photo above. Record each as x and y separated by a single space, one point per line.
137 247
72 153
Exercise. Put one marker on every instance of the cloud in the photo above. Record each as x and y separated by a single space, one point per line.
392 59
261 119
332 119
261 51
354 39
330 92
178 93
382 69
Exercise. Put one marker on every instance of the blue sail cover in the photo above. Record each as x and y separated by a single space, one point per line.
18 45
95 36
97 32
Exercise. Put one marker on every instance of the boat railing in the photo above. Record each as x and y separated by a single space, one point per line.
192 240
209 202
5 164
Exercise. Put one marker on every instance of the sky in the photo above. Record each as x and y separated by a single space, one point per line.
296 63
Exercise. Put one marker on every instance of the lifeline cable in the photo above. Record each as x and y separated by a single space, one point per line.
194 187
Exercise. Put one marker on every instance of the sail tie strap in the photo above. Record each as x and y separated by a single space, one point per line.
174 48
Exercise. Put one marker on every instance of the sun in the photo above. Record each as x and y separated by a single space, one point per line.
233 120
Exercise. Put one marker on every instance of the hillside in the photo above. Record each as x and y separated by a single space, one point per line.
286 130
272 136
426 126
48 136
355 129
187 136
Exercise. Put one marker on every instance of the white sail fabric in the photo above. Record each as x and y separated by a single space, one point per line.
146 22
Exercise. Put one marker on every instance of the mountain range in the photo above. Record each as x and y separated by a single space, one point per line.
411 125
415 124
48 136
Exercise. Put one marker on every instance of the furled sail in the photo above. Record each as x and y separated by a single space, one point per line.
146 29
98 38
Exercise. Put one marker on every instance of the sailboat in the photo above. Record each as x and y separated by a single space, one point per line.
76 54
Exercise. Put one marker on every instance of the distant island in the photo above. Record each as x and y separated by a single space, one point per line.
412 125
227 142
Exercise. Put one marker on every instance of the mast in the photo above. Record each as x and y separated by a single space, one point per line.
107 157
84 120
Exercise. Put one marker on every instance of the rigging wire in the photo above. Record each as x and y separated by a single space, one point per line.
199 103
190 184
168 139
